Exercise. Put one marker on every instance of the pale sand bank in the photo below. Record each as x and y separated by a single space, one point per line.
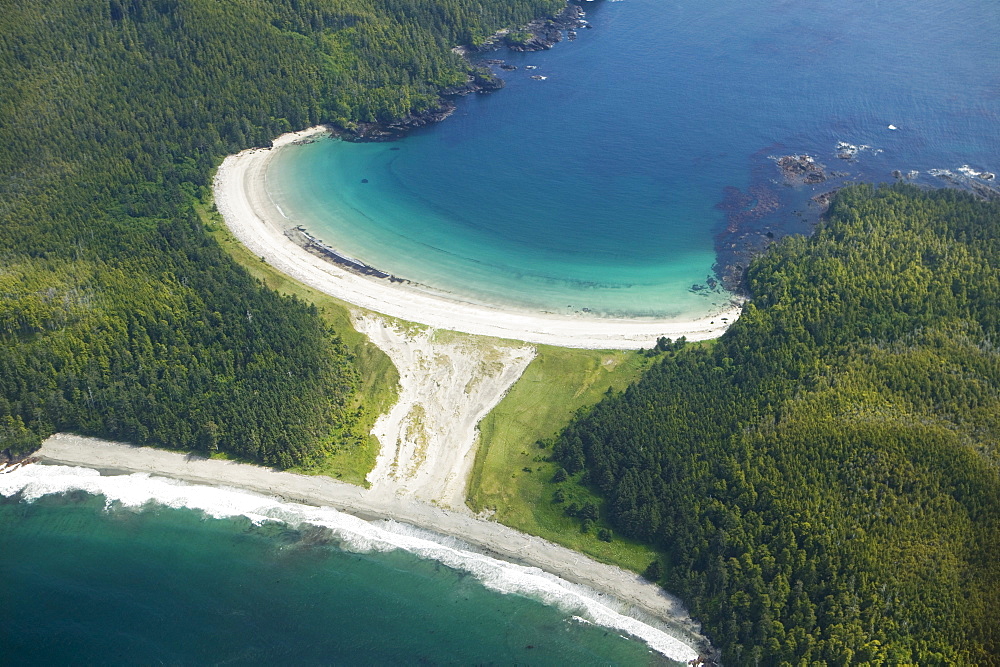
447 384
242 199
322 491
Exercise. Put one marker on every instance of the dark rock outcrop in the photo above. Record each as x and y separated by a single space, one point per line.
801 169
543 34
537 35
480 80
7 459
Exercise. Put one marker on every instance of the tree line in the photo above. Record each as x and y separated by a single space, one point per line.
119 316
823 481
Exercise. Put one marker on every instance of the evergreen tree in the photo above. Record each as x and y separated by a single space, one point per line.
823 481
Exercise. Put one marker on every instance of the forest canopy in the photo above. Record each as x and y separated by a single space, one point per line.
119 316
823 481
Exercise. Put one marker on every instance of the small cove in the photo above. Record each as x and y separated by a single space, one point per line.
603 187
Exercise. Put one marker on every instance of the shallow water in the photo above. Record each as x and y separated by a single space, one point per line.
599 187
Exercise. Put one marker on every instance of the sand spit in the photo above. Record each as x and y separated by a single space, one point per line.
241 197
494 538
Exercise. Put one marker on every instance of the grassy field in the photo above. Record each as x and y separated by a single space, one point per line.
378 378
512 477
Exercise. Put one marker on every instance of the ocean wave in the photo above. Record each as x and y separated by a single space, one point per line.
139 490
972 173
847 151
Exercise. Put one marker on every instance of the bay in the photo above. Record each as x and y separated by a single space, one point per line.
600 186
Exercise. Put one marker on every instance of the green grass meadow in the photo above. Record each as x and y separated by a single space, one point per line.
512 477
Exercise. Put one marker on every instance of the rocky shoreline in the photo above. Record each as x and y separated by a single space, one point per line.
539 35
480 80
10 461
543 34
790 192
781 199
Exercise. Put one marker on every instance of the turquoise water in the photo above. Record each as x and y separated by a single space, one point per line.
479 243
600 186
597 188
137 581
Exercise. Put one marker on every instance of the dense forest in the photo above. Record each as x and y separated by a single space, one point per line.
118 315
823 481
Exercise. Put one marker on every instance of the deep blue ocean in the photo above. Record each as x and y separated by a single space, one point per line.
610 184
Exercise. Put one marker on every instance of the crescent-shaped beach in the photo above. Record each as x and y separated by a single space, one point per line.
242 199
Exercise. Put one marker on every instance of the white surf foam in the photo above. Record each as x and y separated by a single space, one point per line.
140 489
966 170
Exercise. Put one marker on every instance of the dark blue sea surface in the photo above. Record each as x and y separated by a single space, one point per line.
134 581
610 184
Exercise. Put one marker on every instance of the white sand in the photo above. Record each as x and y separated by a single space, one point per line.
447 383
323 491
242 199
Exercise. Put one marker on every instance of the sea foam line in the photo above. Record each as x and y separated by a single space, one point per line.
139 489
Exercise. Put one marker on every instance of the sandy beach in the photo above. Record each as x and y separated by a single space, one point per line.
447 384
242 199
503 542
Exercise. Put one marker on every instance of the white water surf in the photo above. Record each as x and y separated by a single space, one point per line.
354 534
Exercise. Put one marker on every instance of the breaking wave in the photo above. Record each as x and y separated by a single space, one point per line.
353 534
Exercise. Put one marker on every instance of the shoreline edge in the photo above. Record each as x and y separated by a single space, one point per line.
493 538
242 200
